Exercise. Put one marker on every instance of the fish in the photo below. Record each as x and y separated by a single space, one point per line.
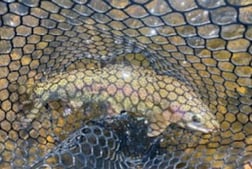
160 99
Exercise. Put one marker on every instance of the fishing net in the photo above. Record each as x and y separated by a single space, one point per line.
205 44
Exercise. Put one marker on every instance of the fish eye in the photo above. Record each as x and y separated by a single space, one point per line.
195 119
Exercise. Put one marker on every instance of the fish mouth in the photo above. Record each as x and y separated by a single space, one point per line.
201 128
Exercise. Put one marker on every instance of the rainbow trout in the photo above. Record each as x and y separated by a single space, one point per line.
160 99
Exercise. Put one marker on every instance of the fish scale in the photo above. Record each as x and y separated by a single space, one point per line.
157 98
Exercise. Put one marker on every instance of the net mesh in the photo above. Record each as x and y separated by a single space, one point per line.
205 44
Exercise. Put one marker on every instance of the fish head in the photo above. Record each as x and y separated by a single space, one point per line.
200 122
192 114
198 117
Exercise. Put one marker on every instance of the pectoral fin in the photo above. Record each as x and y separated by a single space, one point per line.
157 124
155 129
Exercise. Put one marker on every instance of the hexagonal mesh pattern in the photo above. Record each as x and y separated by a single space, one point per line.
87 148
204 45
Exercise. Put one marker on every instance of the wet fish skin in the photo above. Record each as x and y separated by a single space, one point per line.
160 99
